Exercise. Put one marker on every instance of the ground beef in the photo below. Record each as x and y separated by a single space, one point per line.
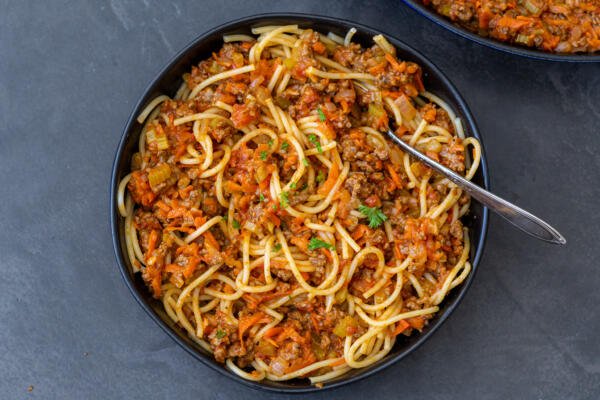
376 238
284 274
222 130
358 185
453 155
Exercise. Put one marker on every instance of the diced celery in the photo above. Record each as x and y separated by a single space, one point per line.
159 174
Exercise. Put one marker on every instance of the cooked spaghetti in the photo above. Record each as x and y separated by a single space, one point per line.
274 220
555 26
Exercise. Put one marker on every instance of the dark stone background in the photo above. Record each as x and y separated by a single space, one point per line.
70 73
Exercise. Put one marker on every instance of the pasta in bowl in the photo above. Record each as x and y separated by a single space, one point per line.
267 213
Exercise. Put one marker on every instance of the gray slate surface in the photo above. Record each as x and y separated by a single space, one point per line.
70 72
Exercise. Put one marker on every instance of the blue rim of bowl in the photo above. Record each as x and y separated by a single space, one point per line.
299 18
417 6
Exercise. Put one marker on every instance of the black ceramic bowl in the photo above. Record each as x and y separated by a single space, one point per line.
169 79
418 6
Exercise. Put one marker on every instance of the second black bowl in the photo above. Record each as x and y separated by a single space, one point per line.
430 14
167 82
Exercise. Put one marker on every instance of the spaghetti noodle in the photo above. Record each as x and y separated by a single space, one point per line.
276 223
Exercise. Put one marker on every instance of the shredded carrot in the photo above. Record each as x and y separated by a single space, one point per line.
378 68
416 322
155 284
179 228
247 321
400 67
274 331
185 192
397 252
314 321
401 326
171 268
394 176
235 187
291 333
332 177
177 212
228 289
162 205
392 94
199 221
345 107
513 23
274 219
152 241
337 363
191 266
327 254
301 242
210 239
327 130
360 231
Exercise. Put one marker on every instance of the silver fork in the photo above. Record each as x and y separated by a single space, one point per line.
520 218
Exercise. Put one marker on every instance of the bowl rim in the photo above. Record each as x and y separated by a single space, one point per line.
421 9
114 214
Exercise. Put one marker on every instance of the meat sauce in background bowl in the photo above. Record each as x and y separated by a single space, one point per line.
513 27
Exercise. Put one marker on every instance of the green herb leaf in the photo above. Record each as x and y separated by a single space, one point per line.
263 155
283 199
315 140
270 142
316 243
293 185
322 116
374 214
225 217
320 177
235 223
261 197
277 247
221 334
305 162
284 146
304 186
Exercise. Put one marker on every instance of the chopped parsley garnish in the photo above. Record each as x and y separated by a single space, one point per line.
320 177
374 214
304 186
293 185
261 197
263 155
305 162
270 142
315 140
316 243
322 116
221 334
283 199
235 223
284 146
277 247
225 217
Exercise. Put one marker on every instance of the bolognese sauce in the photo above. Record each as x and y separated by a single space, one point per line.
560 26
